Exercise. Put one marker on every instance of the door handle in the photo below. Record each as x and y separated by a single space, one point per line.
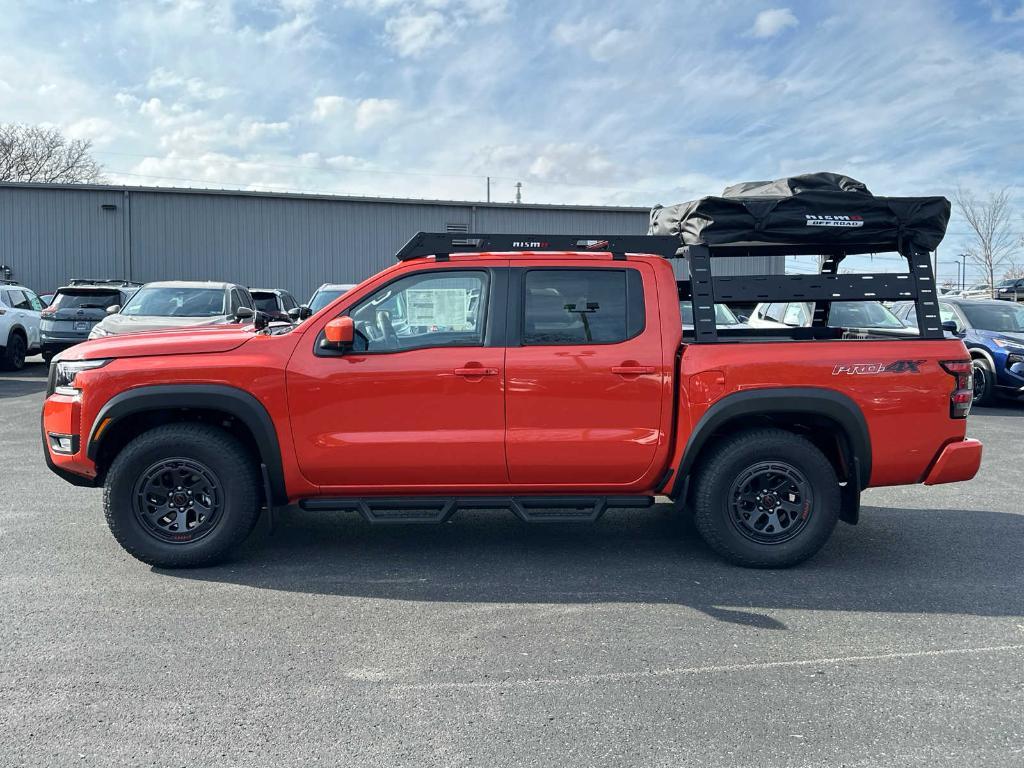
632 370
475 371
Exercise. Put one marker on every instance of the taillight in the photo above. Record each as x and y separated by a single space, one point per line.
962 396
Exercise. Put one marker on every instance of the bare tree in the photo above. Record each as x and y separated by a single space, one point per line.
36 153
993 243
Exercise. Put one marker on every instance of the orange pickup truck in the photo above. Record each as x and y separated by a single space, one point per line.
549 375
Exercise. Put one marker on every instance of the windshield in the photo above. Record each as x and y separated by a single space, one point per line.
323 298
995 317
177 302
86 300
862 314
723 315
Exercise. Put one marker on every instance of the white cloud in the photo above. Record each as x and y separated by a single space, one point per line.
414 27
603 44
328 106
99 130
413 34
361 114
772 22
373 112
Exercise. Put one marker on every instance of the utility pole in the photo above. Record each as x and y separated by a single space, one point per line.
488 189
519 192
963 285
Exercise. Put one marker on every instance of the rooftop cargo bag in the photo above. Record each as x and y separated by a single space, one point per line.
816 209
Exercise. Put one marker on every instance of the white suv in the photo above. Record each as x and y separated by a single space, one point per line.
19 324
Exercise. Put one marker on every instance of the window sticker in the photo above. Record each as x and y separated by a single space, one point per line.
444 308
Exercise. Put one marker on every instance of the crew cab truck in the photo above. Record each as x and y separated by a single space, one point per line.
548 375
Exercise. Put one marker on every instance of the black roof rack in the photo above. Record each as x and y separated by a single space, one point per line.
704 289
443 244
78 281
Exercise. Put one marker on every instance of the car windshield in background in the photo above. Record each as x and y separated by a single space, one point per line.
322 299
992 317
176 302
266 302
862 314
86 300
723 315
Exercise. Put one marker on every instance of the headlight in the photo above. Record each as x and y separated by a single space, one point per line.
1016 346
64 373
98 332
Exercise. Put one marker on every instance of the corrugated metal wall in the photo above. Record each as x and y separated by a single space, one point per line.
50 234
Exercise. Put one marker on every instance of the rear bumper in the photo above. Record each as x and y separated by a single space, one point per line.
956 462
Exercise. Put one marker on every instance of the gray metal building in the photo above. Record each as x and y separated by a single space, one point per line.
51 233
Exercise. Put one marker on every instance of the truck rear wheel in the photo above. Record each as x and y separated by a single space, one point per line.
181 496
766 499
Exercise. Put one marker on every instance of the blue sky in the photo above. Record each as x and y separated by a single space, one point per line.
596 102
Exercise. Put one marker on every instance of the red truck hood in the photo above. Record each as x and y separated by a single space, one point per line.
193 341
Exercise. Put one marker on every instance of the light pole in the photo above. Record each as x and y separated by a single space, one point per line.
963 257
958 284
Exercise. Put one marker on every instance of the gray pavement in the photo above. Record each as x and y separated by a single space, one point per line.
487 642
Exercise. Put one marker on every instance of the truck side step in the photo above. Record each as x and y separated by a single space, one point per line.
438 509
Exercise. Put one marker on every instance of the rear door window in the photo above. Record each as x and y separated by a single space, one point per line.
582 306
17 299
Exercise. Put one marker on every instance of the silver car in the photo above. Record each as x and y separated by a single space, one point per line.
175 304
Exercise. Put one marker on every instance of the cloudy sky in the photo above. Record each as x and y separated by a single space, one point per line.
600 102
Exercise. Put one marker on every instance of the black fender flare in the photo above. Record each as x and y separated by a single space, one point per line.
218 397
764 402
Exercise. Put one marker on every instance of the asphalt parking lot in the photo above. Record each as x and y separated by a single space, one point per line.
487 642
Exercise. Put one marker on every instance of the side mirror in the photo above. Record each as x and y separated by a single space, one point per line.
300 313
113 309
949 325
244 313
743 318
339 334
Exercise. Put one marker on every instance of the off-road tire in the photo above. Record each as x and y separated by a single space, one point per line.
984 379
731 460
205 446
13 355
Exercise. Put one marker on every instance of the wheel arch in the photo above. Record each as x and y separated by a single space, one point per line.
129 413
805 410
981 352
17 328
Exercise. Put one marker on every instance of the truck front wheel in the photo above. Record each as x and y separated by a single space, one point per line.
766 498
181 495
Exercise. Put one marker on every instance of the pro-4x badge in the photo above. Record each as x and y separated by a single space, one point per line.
900 366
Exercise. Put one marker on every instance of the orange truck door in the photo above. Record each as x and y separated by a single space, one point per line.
585 375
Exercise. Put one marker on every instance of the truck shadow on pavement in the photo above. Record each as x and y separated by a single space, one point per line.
896 561
28 381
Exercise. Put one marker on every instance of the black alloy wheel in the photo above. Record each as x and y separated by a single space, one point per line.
178 500
770 502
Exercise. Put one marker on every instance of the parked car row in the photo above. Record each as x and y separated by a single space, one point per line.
93 308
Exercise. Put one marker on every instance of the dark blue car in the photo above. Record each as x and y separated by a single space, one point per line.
993 332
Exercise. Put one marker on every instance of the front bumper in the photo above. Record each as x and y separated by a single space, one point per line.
956 462
62 416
